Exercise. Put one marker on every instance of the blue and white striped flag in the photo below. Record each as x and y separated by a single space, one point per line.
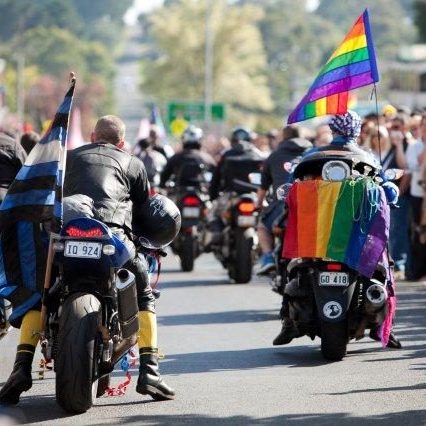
34 197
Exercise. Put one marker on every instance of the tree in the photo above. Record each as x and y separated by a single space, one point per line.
420 19
390 23
176 69
94 10
19 16
297 44
53 53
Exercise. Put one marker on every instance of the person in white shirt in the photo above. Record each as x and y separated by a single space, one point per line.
415 161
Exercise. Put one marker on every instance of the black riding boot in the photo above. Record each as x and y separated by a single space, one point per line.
288 332
150 381
20 379
393 342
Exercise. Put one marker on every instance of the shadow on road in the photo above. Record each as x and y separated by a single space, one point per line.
201 362
193 283
33 409
227 317
317 419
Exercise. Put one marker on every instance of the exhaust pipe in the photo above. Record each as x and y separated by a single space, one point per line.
376 296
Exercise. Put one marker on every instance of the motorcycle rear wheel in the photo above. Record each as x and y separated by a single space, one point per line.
75 361
187 252
334 340
242 263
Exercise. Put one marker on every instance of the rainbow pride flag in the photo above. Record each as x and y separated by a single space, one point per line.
352 65
346 221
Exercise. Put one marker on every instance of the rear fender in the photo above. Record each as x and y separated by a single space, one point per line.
333 302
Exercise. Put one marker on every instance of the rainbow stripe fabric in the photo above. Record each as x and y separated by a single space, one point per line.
352 65
346 221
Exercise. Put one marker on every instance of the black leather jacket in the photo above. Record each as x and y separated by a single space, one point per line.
12 158
242 150
112 178
186 166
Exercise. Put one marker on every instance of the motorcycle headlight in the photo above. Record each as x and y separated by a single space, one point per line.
335 171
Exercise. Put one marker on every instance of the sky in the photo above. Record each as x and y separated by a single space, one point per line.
143 6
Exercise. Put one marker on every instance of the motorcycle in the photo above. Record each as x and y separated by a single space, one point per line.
193 204
92 312
324 297
239 243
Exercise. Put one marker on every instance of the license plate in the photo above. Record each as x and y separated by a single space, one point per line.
83 249
191 212
246 221
334 279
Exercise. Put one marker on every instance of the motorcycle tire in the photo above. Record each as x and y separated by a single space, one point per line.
76 360
243 262
334 340
187 252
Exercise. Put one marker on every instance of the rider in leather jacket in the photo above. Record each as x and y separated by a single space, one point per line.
222 179
115 180
186 165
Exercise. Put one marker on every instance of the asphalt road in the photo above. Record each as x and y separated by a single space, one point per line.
219 358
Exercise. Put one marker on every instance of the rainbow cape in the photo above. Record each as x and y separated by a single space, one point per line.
346 221
353 64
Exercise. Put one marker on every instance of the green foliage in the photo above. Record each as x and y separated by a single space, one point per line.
59 36
239 67
94 10
19 16
297 43
390 22
420 19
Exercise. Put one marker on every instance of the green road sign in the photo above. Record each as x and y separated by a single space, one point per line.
194 111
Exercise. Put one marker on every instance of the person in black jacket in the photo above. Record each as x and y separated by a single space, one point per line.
12 158
116 180
187 165
234 165
275 172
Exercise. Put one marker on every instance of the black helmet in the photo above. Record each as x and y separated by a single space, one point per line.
156 222
241 134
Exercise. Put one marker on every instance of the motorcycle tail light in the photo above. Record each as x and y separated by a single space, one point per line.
334 267
246 207
73 231
191 200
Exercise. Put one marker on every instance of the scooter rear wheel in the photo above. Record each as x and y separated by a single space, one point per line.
334 340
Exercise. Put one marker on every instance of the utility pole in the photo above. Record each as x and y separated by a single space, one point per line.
208 71
20 99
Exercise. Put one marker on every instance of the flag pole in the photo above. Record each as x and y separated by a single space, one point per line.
50 253
374 93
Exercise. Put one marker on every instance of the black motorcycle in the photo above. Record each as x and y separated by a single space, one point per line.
323 297
238 248
91 311
193 204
